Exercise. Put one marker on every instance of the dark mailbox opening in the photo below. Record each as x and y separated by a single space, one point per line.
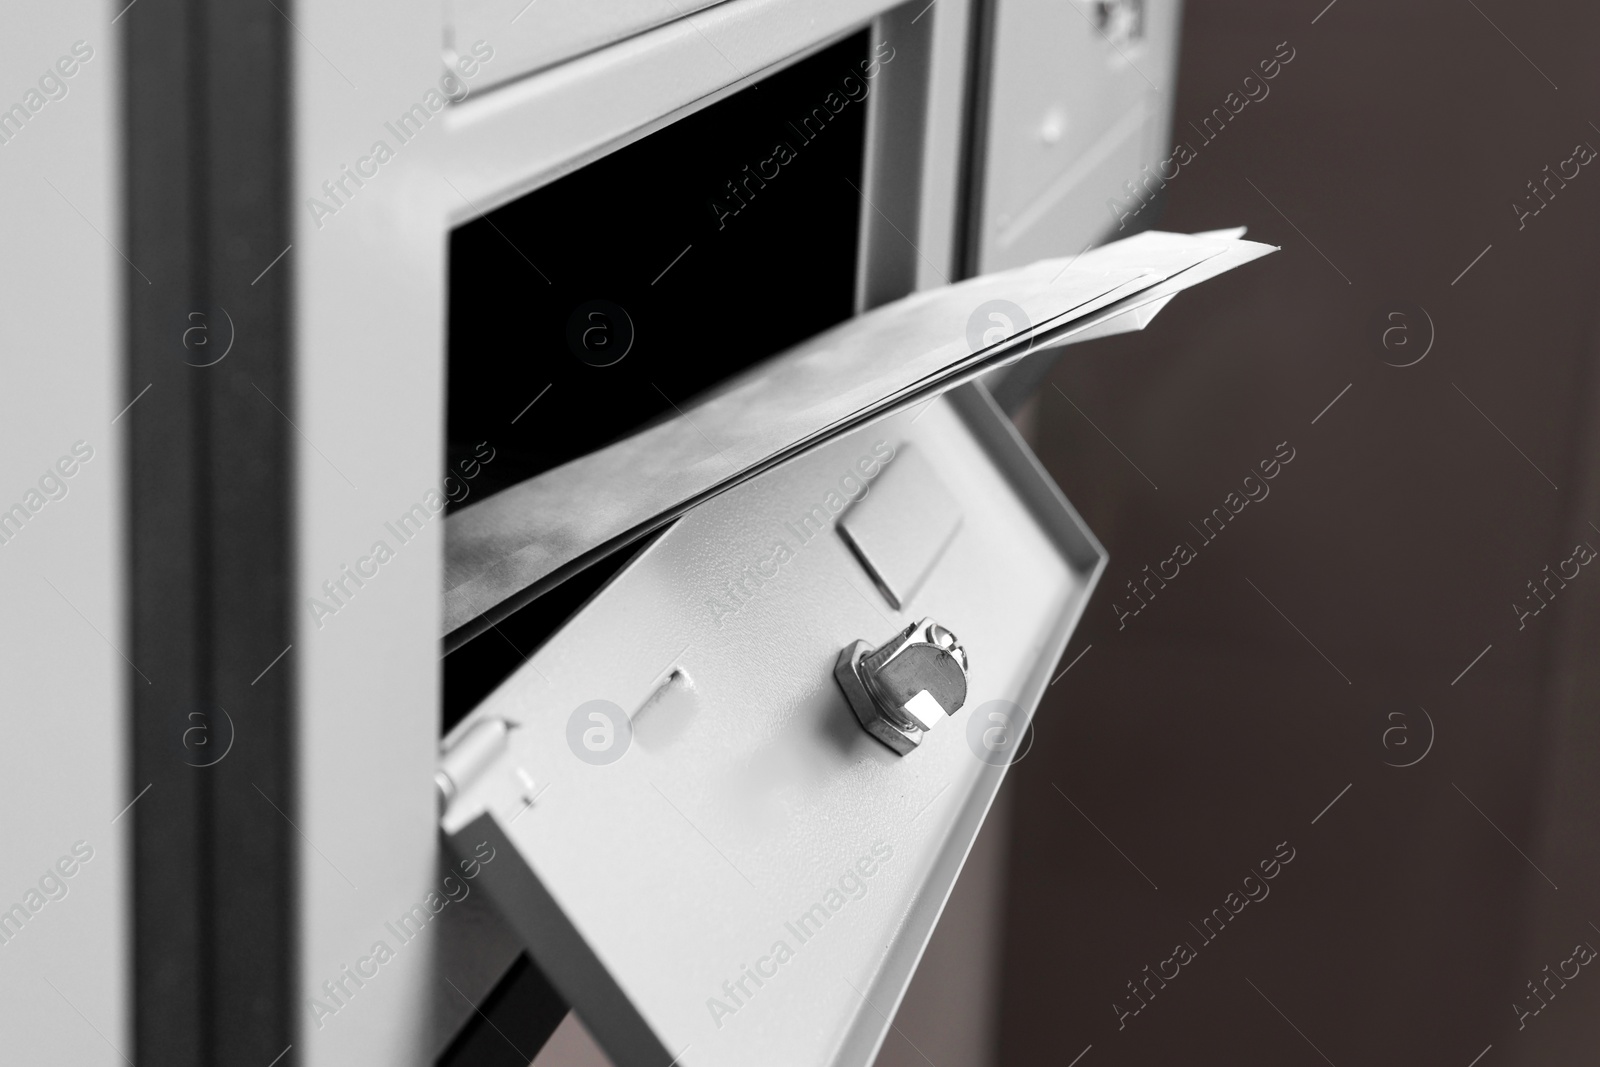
608 299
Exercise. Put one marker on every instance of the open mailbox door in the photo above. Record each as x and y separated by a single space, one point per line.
700 837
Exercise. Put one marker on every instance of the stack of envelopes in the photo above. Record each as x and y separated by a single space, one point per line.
507 549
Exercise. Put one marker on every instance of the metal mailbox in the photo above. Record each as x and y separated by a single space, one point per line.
710 858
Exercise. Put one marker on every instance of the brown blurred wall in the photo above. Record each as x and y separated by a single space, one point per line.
1196 736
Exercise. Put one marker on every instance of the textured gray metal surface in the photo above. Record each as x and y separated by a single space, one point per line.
668 847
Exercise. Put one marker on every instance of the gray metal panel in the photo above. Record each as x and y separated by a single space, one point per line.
368 290
64 975
525 134
898 125
534 34
369 293
945 140
1073 112
749 785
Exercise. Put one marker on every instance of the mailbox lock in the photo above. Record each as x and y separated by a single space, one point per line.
906 686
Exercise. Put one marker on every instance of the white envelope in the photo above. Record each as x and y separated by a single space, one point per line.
505 550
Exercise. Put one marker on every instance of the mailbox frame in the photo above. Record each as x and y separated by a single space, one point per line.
368 292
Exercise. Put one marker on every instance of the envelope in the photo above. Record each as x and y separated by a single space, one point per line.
507 549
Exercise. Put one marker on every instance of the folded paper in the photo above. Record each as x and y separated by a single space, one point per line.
505 550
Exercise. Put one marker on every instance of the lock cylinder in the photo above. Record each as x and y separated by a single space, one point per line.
905 687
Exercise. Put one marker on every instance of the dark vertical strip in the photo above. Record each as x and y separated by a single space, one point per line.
251 473
250 465
198 158
206 139
167 619
975 137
